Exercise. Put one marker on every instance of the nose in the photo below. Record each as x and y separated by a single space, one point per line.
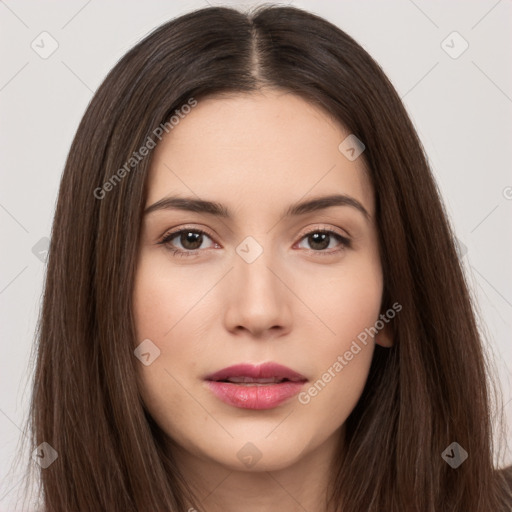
258 300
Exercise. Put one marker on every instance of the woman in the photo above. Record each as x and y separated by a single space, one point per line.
253 295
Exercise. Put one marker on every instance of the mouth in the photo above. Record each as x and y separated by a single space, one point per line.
266 373
250 381
255 387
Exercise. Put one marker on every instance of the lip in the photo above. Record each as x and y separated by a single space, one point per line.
255 395
261 371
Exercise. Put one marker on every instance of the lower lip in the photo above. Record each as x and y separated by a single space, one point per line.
254 397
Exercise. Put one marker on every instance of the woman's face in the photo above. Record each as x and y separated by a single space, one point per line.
264 284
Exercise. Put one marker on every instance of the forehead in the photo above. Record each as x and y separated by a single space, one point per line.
262 149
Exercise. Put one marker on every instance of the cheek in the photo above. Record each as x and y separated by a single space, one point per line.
160 299
349 308
330 399
347 300
162 306
159 302
343 357
164 395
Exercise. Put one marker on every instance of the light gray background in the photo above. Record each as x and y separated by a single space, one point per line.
461 108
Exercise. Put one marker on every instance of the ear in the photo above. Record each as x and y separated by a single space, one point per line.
385 337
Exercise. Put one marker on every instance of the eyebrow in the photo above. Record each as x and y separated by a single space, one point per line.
192 204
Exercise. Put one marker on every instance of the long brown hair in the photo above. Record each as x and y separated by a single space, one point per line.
429 390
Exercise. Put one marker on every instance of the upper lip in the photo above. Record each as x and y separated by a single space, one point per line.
257 372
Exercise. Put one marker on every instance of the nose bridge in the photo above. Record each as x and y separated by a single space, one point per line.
257 296
253 269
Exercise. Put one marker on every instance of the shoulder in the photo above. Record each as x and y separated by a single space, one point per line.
504 477
506 474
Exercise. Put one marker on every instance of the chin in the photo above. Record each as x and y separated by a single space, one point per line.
258 453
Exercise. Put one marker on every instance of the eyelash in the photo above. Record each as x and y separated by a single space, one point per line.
345 242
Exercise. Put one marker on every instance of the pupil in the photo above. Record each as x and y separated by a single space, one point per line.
319 238
191 238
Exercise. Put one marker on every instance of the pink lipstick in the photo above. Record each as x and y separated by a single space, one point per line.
247 386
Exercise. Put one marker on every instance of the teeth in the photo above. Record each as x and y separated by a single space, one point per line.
250 380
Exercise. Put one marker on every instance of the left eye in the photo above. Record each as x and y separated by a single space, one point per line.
321 239
191 241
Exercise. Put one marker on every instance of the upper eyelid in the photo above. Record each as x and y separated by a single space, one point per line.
173 233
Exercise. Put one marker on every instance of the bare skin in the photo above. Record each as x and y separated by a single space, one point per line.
299 303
